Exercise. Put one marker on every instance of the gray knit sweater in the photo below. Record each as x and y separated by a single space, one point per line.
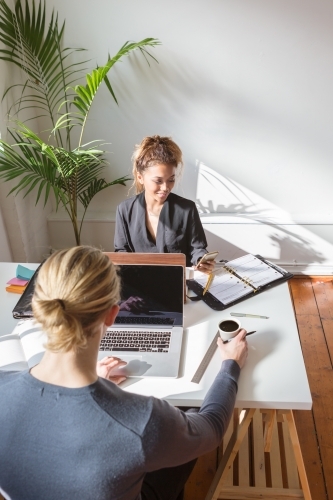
99 441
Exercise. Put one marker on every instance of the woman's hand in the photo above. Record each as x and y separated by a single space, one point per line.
236 349
205 267
105 367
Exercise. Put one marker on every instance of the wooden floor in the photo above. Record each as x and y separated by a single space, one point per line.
313 304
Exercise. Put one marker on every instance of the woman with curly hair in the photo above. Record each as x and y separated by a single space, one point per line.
157 220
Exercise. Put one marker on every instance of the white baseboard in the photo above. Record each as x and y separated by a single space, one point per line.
278 218
308 269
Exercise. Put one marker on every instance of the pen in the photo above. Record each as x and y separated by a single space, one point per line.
209 280
248 333
248 315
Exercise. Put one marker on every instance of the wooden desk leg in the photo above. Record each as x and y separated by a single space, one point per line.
229 455
271 415
298 454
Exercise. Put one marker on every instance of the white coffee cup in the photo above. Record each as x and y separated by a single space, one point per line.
229 328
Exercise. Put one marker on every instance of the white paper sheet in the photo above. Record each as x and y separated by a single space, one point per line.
225 286
11 352
254 270
24 347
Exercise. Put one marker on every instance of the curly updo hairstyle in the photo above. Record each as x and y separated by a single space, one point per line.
74 288
154 150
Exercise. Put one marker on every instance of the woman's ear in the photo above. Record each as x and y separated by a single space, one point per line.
111 315
139 177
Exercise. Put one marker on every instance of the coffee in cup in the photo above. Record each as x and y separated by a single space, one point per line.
229 328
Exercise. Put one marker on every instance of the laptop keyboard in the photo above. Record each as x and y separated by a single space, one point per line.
144 320
126 340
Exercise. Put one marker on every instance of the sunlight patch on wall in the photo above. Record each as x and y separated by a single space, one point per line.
219 194
239 221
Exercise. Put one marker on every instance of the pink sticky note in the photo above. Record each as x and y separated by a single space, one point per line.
17 281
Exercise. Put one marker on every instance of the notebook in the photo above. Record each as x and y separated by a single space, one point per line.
22 308
148 330
237 280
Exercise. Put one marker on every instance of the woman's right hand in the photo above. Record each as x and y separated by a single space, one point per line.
108 364
236 349
205 267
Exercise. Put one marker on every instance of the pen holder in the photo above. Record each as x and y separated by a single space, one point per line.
229 328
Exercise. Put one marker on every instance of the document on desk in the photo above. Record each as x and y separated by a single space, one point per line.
23 348
238 279
225 286
253 270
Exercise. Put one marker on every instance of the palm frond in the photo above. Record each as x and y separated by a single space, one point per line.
36 47
32 169
95 186
86 94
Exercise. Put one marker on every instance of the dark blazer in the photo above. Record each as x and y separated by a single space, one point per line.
179 228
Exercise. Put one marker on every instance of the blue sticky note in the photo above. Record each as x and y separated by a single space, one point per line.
23 273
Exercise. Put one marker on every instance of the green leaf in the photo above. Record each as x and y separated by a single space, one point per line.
85 94
36 47
108 84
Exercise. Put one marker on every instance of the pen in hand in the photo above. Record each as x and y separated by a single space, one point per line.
248 333
209 281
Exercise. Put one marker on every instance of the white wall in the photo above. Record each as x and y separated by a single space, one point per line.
5 249
245 88
23 227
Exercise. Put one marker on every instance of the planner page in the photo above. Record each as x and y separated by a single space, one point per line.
253 270
225 286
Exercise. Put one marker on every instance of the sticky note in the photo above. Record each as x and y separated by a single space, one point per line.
23 273
17 281
15 289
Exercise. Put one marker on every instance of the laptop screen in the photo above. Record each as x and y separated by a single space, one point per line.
151 295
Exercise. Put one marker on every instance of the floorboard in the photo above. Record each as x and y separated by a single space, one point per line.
201 477
323 292
313 304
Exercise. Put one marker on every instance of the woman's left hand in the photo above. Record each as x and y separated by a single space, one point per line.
105 367
206 267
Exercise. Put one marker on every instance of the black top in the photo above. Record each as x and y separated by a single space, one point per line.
179 228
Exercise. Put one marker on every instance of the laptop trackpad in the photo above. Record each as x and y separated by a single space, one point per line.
135 367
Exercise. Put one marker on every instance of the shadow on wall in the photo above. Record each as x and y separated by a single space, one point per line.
227 250
299 247
249 223
285 246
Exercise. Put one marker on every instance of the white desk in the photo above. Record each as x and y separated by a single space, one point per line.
274 377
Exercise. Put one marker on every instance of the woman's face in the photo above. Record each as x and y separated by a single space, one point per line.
158 180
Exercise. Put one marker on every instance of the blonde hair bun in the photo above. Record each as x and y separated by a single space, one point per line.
74 288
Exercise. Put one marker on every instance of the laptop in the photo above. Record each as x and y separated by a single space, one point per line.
148 330
22 309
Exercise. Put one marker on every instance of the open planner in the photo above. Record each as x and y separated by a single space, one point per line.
237 280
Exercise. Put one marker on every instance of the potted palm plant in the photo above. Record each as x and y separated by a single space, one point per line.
61 163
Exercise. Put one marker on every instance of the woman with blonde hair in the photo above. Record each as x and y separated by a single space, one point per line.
68 433
157 220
